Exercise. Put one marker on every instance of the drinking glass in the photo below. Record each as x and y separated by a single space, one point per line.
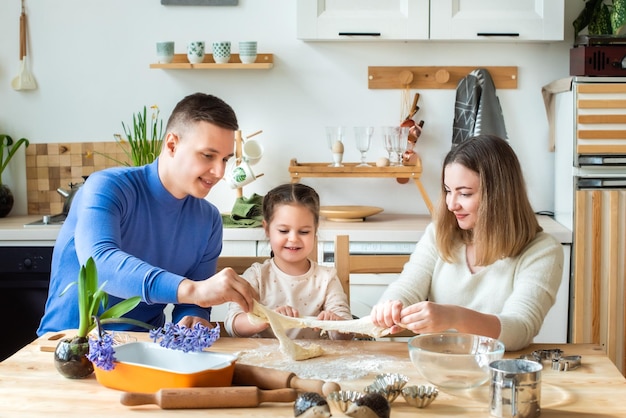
397 144
403 140
390 137
335 136
363 140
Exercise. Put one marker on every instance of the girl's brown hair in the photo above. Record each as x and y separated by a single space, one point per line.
290 194
506 222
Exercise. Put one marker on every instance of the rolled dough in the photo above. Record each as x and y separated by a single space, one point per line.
278 322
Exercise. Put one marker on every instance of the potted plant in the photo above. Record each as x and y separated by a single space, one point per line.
142 141
70 354
10 147
75 357
601 17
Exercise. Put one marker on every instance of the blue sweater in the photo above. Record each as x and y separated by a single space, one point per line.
144 242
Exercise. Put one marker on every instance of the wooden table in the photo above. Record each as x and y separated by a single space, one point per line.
30 386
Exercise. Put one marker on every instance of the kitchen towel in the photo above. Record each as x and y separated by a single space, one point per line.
477 108
548 91
246 213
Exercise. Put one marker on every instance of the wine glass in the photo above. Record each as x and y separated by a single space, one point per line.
390 133
335 135
363 140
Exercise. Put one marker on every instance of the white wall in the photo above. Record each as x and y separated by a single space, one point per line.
91 61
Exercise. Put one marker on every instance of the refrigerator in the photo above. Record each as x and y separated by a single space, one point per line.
590 199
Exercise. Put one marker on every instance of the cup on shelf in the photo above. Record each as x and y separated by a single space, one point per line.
335 136
195 52
221 52
247 51
252 151
165 52
240 175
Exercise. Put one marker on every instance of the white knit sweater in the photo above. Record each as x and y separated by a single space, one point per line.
518 290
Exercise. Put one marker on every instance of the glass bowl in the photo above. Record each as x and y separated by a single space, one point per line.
454 360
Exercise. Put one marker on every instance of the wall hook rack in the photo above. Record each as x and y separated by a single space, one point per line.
434 77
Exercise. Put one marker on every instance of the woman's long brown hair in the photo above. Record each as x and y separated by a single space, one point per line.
506 222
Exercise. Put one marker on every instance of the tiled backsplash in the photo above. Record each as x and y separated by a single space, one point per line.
53 166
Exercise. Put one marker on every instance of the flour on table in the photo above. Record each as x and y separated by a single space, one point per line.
339 364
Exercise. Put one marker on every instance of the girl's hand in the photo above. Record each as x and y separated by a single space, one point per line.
189 321
329 316
287 311
334 335
387 315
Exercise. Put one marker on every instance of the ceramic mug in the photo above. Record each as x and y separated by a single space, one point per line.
165 52
252 151
515 388
195 52
221 52
240 175
247 51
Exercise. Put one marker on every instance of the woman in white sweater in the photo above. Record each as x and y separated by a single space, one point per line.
484 266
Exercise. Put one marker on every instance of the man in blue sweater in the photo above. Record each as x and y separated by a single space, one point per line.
149 229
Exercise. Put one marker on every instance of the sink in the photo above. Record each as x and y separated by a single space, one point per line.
49 220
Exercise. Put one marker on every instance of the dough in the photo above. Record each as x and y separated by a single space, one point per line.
278 322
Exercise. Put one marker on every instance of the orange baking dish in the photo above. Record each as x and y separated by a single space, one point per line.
147 367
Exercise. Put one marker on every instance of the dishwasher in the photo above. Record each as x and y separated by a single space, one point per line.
24 282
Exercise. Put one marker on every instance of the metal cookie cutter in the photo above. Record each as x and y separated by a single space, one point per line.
532 357
566 363
549 354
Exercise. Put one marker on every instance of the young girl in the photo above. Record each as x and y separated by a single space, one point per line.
288 282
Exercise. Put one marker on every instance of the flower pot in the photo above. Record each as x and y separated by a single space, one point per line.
6 200
70 358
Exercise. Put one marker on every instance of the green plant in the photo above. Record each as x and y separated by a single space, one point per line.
601 17
91 298
143 149
7 144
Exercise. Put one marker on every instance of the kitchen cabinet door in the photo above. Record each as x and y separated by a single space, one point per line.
362 20
497 20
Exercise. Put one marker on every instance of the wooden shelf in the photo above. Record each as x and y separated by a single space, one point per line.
298 171
434 77
180 62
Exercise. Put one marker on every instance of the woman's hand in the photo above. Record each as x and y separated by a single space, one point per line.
387 314
424 317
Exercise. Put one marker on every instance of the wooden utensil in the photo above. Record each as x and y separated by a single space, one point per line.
195 398
267 378
24 80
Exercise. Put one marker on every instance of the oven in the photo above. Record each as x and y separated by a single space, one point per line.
24 282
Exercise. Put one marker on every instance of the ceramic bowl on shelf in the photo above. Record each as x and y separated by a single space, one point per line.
452 360
147 367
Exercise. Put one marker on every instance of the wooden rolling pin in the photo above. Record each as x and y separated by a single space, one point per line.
206 397
267 378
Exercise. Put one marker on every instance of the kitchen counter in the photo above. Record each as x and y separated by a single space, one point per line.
31 386
383 227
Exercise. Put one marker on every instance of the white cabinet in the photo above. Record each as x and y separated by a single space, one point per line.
497 20
454 20
362 19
